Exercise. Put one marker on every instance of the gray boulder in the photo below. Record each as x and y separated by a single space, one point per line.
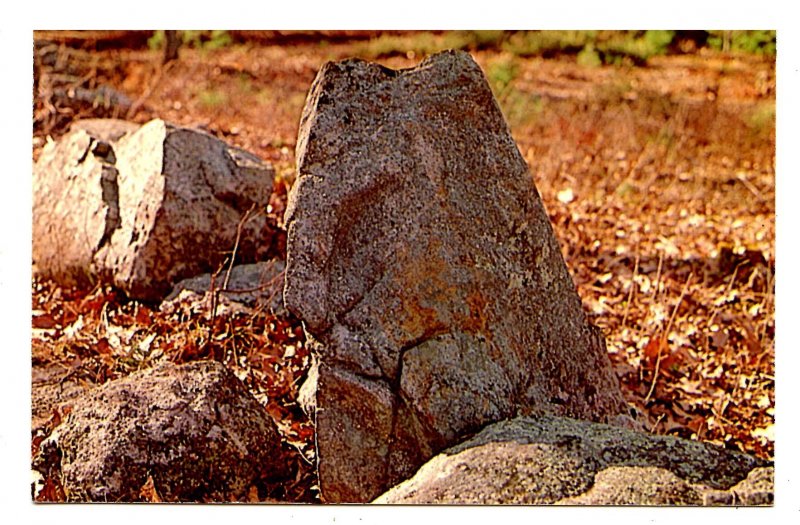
250 286
144 207
194 429
425 269
550 460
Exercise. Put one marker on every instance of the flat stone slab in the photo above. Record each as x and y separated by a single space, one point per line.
249 287
426 272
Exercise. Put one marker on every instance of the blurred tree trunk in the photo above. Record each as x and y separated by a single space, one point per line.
172 43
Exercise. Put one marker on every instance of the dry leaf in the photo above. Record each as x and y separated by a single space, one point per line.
148 491
565 196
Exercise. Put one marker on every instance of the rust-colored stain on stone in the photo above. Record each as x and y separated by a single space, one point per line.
477 322
424 292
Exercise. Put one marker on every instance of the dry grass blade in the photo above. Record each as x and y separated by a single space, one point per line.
630 290
664 336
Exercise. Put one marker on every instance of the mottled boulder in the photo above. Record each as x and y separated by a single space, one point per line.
425 269
194 429
249 286
144 207
550 460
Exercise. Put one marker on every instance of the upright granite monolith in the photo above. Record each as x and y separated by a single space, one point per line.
427 275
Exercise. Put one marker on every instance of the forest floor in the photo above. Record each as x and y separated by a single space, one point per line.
659 181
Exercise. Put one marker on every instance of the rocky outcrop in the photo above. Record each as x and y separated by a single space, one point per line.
426 272
550 460
193 429
144 207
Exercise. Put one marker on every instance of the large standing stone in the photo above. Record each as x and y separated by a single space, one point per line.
550 460
145 207
194 429
423 264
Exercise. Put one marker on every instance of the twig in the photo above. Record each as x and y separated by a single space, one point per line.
236 245
767 299
664 336
214 301
213 289
633 284
727 290
653 428
658 275
749 185
258 288
148 91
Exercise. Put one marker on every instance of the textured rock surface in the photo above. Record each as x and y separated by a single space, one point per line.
423 264
194 429
257 285
144 207
52 386
550 460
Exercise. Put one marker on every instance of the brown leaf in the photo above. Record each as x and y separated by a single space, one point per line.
656 347
143 316
103 347
55 419
718 339
95 302
44 321
52 491
148 491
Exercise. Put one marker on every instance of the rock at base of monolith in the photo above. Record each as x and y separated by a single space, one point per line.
550 460
144 207
426 272
194 429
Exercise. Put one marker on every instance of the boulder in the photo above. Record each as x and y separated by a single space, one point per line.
552 460
144 207
193 429
249 286
424 267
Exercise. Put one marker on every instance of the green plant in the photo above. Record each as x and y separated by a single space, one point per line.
588 57
474 39
423 43
519 107
215 39
501 73
761 119
212 98
636 45
528 43
157 41
760 42
426 43
218 39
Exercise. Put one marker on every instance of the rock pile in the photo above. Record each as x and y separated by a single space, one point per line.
433 293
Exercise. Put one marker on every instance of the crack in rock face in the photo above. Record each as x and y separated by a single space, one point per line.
427 275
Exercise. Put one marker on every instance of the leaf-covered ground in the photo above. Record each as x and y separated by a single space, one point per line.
659 181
